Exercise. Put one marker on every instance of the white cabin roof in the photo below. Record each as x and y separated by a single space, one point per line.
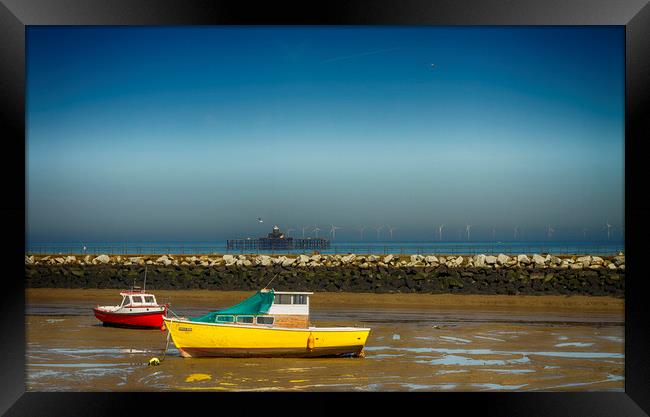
293 292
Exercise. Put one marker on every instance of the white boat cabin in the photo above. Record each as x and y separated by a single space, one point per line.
137 299
290 303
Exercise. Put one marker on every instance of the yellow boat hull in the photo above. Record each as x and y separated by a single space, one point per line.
196 339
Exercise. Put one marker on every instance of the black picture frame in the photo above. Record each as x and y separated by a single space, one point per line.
15 15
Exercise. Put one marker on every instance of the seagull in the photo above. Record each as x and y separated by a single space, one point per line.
260 220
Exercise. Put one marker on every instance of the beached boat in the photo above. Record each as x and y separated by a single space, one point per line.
268 324
138 309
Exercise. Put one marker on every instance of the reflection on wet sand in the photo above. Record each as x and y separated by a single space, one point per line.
440 349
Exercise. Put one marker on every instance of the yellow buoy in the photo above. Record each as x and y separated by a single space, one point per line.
154 362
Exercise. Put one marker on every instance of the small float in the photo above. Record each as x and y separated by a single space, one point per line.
138 309
268 324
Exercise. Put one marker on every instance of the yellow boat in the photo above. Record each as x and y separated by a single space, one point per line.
269 324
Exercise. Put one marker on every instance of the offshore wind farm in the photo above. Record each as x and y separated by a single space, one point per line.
451 195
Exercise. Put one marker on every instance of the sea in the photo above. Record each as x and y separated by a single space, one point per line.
605 248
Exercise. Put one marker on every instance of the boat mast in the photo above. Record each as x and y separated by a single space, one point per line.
144 286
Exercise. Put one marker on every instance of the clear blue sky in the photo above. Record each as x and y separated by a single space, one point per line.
191 133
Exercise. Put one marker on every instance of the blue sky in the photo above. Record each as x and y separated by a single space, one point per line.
191 133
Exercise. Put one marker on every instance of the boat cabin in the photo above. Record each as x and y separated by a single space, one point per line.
266 308
290 309
137 299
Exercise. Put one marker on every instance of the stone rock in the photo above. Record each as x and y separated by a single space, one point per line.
288 262
303 258
503 259
479 261
576 265
523 259
611 266
265 261
29 260
538 260
70 259
555 260
229 259
372 258
185 263
104 259
490 260
619 260
205 263
595 266
388 259
316 258
348 258
621 267
431 259
59 260
417 258
458 261
584 260
596 260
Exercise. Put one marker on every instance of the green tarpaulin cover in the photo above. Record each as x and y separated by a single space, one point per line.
257 304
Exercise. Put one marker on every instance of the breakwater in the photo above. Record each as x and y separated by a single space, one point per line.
479 274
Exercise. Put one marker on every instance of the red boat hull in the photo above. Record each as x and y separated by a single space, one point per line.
137 320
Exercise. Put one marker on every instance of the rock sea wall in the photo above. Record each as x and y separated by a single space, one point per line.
480 274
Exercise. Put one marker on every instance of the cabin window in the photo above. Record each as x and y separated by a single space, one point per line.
300 299
265 320
137 299
282 299
149 299
225 319
245 319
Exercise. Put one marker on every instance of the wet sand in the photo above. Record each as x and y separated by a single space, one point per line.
418 342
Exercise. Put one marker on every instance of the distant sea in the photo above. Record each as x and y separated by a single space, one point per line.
336 247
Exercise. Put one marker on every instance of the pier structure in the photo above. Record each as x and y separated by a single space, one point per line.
276 240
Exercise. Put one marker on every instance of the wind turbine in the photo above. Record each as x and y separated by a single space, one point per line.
333 231
361 230
442 226
516 232
390 230
378 229
584 233
609 229
316 229
549 231
303 230
467 229
494 231
288 230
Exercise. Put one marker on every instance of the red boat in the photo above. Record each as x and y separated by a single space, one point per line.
137 310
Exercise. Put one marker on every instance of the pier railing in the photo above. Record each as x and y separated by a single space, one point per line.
359 249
